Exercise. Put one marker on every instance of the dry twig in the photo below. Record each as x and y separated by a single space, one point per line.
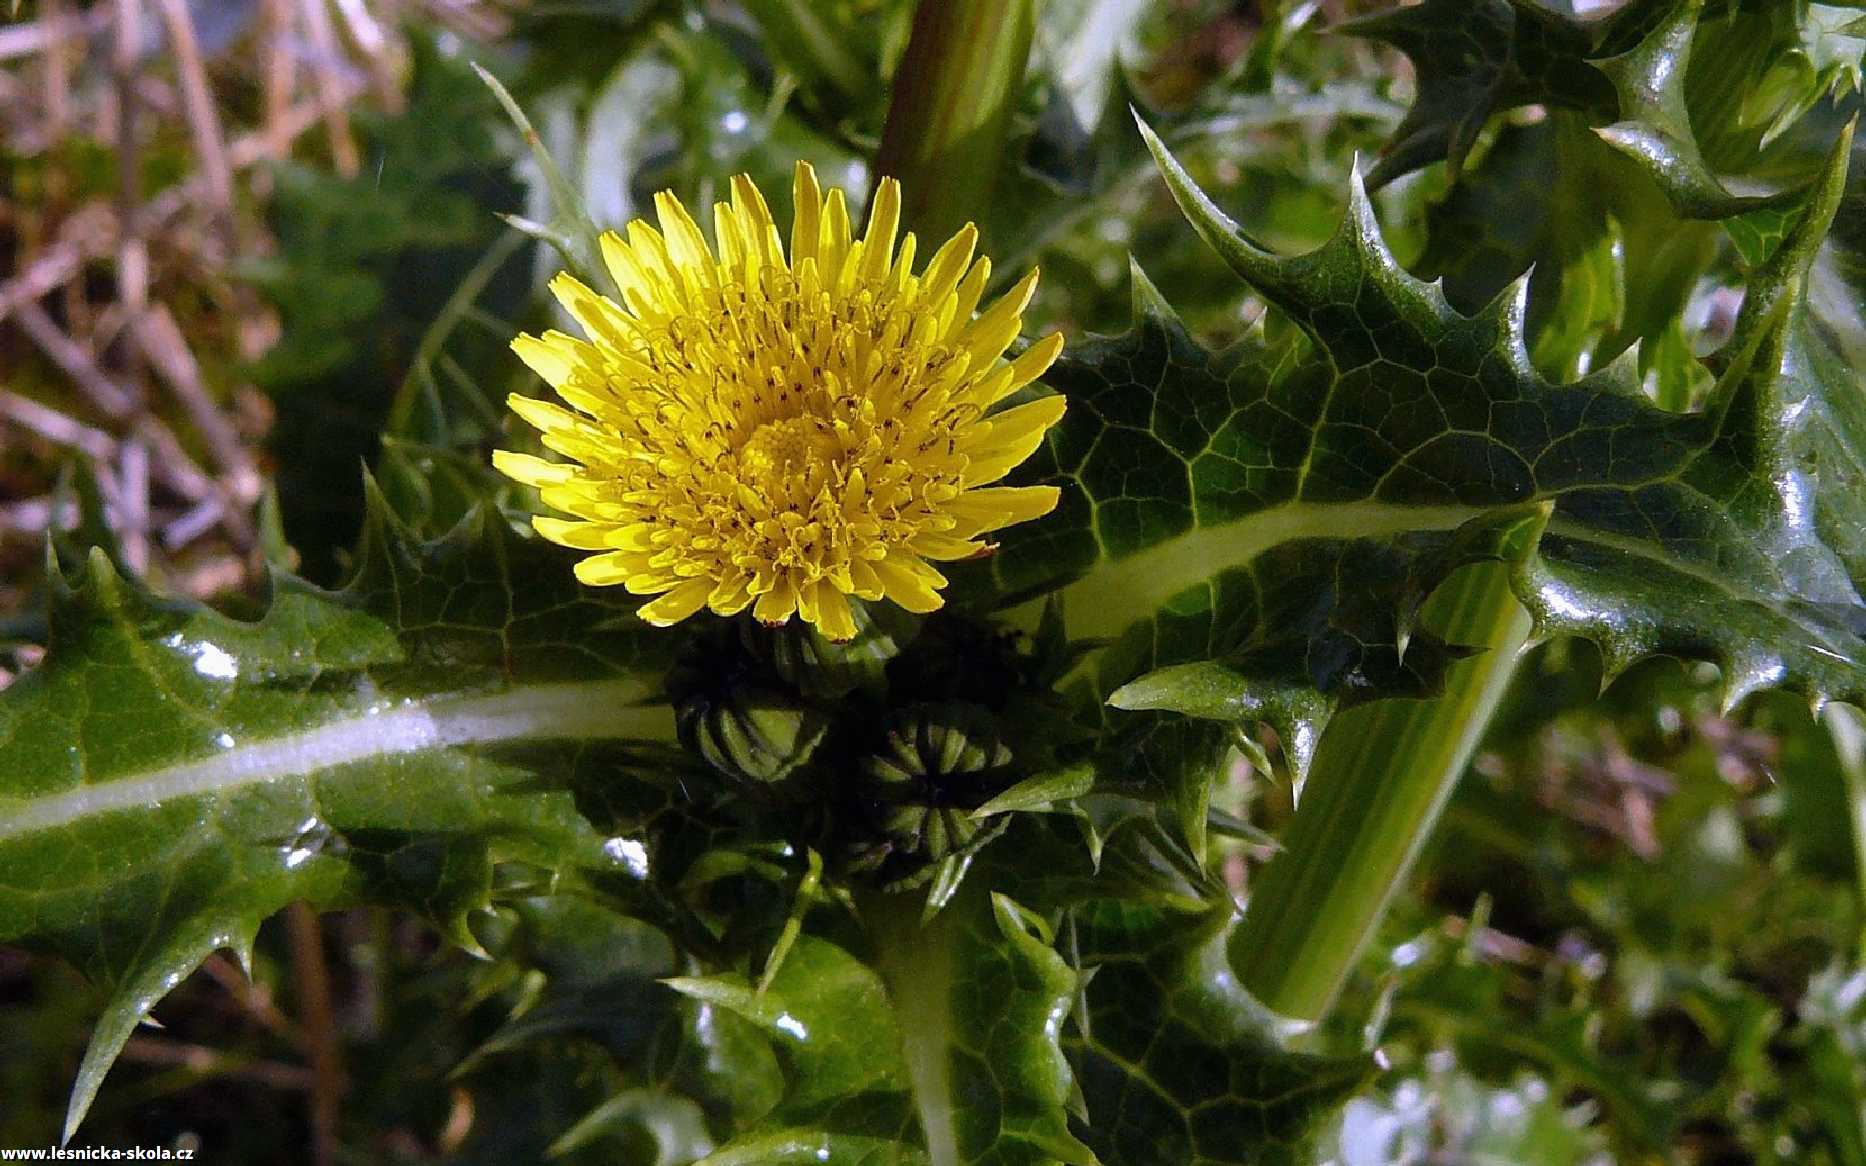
326 69
162 342
198 103
75 361
54 426
313 979
208 1062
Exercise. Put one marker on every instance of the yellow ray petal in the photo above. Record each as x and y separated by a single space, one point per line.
948 266
864 583
599 317
1036 360
548 418
585 536
666 292
734 249
832 247
884 219
692 258
573 501
1013 436
944 548
732 595
608 570
989 508
993 331
642 578
832 615
806 220
676 604
761 233
528 470
965 299
910 582
903 273
545 356
626 268
778 604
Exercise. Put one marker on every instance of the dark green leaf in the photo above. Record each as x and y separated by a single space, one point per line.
1177 1063
1671 532
169 777
943 1050
1625 74
1475 59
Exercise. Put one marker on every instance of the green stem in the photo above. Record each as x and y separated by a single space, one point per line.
458 305
807 889
1380 778
951 111
571 230
914 957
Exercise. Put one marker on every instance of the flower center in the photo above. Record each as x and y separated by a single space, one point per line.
794 446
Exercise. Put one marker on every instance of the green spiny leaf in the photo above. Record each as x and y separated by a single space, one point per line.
1626 74
944 1050
1163 1024
1234 507
1689 508
169 776
1473 60
685 1072
1610 264
1654 126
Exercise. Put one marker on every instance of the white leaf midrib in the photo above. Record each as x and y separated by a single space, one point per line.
1117 592
604 710
915 961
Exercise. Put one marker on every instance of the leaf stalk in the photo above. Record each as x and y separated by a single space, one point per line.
1381 777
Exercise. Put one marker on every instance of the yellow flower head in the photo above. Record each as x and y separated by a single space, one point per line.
781 433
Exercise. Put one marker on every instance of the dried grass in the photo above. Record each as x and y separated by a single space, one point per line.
122 323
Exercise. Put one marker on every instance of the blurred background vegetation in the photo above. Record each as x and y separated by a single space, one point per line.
250 246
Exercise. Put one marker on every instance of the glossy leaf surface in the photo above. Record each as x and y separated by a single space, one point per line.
170 777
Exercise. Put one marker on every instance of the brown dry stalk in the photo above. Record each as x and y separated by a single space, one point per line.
198 104
162 342
74 360
132 509
173 465
377 53
132 254
87 234
155 490
31 37
54 426
325 61
57 67
209 1062
281 74
253 998
312 975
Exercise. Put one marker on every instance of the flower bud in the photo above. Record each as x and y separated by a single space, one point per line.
752 734
935 765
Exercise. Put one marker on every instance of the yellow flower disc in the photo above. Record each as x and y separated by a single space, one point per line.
750 429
